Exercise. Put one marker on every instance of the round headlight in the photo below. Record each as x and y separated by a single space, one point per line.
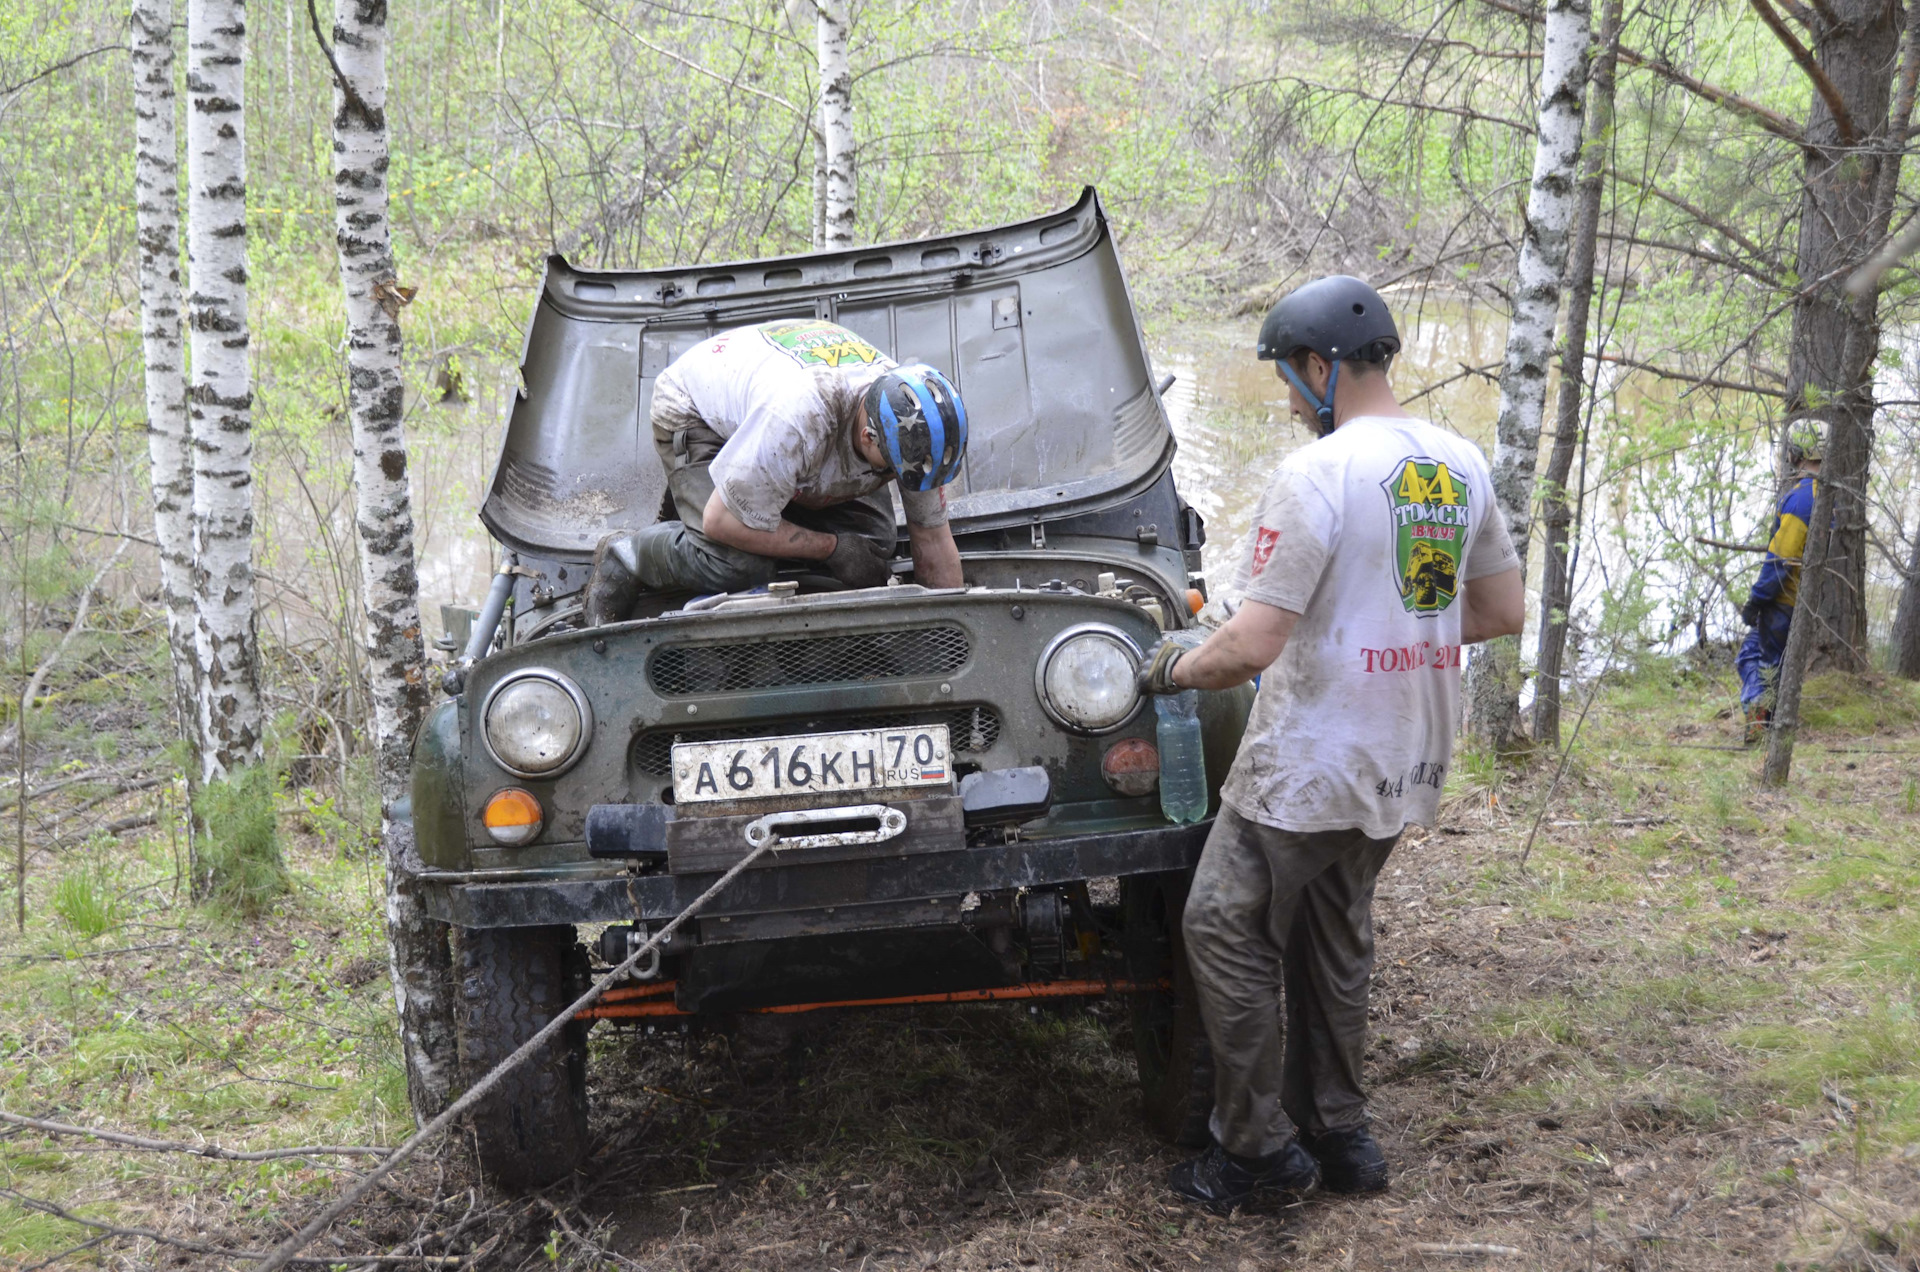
1085 678
536 723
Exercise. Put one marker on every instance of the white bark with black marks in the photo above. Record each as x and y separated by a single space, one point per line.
1495 682
156 185
836 122
220 397
383 520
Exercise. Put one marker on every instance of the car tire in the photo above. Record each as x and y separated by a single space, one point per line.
531 1129
1169 1041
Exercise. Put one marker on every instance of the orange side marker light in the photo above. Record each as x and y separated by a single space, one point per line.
513 817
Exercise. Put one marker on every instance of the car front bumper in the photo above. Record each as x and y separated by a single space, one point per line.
799 898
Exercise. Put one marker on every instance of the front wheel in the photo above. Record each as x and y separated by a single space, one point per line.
1169 1041
531 1129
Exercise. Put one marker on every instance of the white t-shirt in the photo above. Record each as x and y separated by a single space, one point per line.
1368 535
785 396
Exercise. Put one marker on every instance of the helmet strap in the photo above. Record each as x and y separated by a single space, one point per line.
1323 411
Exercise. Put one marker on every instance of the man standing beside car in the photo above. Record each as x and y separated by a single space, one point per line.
1376 554
778 441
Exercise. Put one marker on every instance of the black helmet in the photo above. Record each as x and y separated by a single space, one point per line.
1339 318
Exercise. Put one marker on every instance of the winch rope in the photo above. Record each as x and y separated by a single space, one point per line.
279 1256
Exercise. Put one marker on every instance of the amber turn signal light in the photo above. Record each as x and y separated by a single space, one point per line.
1132 767
1195 601
513 817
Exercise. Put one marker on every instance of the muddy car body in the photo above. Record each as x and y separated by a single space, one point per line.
923 881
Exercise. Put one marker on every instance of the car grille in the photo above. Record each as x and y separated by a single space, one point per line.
809 660
973 730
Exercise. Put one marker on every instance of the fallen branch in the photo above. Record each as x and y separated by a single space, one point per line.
201 1247
40 673
73 958
198 1150
1464 1249
287 1250
1614 821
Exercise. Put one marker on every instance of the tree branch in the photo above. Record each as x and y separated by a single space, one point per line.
8 90
1704 381
1842 118
1701 215
1699 253
201 1247
176 1146
1774 122
356 103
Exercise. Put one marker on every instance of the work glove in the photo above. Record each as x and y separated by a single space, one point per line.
1751 612
858 562
1156 667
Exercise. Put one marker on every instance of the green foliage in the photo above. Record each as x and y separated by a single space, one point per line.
84 899
239 866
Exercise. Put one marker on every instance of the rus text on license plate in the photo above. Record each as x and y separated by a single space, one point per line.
812 764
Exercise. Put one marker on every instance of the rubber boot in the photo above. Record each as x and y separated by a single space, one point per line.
1758 718
613 584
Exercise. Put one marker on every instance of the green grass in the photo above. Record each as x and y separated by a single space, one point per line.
239 860
85 902
1784 925
238 1030
1859 704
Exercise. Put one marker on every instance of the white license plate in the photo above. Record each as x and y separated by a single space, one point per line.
812 764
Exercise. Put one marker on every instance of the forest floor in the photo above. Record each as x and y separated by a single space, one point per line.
1682 1036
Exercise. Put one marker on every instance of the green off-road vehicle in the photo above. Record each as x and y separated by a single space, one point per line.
956 778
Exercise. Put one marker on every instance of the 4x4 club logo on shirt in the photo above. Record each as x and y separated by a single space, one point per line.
813 343
1428 507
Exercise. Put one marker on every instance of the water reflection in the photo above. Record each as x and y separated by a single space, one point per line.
1229 410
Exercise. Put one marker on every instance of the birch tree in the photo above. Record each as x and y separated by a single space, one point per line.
1556 581
836 122
220 397
156 181
383 519
1494 687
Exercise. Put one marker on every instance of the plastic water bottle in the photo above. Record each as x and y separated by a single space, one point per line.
1183 765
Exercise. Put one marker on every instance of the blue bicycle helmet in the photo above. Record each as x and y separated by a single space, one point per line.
921 422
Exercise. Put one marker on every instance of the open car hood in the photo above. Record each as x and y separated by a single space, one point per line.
1032 321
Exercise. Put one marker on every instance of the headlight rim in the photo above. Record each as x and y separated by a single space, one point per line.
1053 646
566 685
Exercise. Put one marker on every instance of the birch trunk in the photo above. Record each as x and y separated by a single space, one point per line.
836 121
1556 581
156 184
220 399
383 519
1494 685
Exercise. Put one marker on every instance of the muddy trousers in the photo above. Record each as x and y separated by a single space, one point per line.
1279 915
676 556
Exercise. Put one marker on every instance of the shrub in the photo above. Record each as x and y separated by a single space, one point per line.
238 865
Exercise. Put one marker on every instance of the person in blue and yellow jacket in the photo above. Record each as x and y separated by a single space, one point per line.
1769 609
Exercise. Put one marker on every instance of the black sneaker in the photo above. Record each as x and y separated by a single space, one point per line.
1222 1182
1350 1160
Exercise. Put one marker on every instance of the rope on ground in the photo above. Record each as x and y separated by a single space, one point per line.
287 1250
178 1146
